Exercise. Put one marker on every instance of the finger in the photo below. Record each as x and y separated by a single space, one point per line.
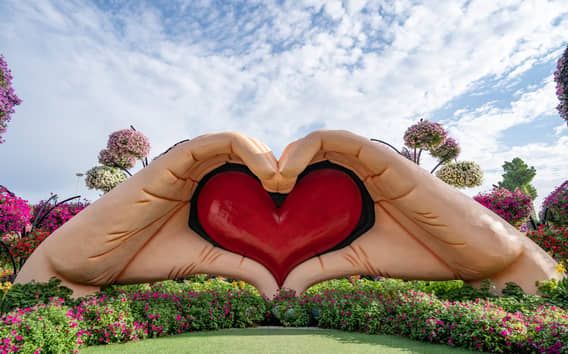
384 251
449 222
177 252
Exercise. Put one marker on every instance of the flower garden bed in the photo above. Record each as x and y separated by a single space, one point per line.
435 312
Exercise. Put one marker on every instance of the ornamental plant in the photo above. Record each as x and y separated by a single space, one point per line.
514 207
15 213
561 79
124 148
552 239
104 178
8 98
462 174
555 206
426 136
59 214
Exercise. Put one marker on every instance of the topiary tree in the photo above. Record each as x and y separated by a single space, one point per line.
8 98
426 136
124 148
561 79
518 175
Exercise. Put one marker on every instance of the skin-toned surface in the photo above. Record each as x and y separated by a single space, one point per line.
424 229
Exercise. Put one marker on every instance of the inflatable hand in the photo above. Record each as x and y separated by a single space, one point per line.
424 228
139 231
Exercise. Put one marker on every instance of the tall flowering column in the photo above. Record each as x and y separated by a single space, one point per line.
8 98
124 148
561 78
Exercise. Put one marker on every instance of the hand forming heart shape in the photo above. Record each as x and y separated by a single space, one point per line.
425 229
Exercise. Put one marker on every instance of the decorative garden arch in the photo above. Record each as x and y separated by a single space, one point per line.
334 204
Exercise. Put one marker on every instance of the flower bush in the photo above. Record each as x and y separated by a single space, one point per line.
59 215
112 158
513 324
556 206
514 207
462 174
104 178
129 142
446 151
424 135
561 79
8 98
15 213
552 239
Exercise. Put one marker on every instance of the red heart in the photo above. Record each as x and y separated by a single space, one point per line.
239 215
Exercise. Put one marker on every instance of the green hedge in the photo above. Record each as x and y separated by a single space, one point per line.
438 312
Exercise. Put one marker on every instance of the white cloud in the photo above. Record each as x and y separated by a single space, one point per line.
272 71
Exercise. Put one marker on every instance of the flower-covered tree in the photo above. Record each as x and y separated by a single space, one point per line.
124 148
514 206
555 206
561 78
8 98
426 136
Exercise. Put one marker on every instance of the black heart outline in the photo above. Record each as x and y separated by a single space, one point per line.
366 220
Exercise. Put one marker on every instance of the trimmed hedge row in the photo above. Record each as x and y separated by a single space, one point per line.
516 323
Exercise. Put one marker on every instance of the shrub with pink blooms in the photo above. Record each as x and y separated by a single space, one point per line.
15 213
514 207
561 79
58 215
8 98
555 205
515 323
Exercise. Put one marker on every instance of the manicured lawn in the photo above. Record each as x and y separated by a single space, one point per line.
275 340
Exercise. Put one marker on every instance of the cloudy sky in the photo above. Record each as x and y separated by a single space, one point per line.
277 70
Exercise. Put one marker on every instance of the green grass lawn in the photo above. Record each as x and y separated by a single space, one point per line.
275 340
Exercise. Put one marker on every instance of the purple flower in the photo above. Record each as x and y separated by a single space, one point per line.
561 78
424 135
8 98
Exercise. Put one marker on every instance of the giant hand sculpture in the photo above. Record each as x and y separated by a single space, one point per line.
422 229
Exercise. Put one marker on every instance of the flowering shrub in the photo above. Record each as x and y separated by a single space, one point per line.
424 135
15 213
59 215
561 78
514 324
112 158
39 329
462 174
552 239
556 205
289 309
104 178
8 98
447 151
129 142
514 207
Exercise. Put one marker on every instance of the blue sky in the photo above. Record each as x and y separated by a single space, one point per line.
276 70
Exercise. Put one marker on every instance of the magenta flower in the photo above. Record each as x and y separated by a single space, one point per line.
15 213
557 205
514 207
561 78
8 98
58 216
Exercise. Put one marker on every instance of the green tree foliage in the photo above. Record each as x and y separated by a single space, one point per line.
518 175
